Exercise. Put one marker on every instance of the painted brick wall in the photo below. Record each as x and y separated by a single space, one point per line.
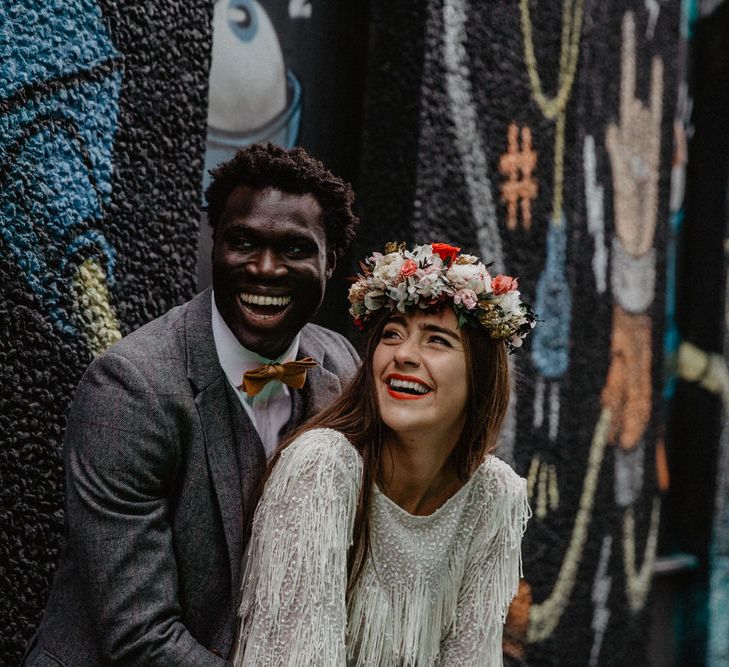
102 122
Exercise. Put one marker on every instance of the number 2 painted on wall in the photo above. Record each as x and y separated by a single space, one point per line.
299 9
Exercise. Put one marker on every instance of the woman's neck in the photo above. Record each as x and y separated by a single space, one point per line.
418 476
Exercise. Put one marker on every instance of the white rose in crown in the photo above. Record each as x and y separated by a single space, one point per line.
358 291
510 303
388 269
474 277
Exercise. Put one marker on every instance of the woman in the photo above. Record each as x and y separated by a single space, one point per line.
387 533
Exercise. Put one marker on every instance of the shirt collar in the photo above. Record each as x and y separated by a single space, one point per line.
236 359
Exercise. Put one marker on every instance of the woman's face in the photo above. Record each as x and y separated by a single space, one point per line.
419 372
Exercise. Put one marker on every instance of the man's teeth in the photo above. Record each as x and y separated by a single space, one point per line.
407 384
260 300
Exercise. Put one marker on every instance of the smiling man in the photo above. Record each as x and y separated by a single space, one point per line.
170 429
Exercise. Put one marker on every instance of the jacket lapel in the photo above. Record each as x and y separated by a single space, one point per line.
215 418
233 449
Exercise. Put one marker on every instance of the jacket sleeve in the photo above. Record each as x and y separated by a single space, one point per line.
293 609
121 457
491 578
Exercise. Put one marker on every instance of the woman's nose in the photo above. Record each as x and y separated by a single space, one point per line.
407 353
267 264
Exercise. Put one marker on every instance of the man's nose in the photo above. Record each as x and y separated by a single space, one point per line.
267 263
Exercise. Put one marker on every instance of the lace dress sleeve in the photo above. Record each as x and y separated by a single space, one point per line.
491 577
293 608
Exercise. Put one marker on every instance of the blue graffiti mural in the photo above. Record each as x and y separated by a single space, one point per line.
553 304
60 79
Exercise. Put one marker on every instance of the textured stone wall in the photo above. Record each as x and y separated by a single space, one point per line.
697 516
102 122
540 136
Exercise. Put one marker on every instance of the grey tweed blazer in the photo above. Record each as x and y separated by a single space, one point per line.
162 468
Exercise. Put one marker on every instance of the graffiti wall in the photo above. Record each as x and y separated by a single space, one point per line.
540 135
547 137
102 117
697 510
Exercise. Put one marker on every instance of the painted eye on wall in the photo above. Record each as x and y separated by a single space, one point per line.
243 19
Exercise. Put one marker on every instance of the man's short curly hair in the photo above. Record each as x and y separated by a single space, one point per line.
294 171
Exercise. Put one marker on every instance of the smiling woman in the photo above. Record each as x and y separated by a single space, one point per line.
388 533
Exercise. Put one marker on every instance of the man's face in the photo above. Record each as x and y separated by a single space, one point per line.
270 266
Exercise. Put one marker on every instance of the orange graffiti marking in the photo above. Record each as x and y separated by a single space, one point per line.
627 392
664 477
517 165
517 622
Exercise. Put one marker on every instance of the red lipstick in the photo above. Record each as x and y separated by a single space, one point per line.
402 396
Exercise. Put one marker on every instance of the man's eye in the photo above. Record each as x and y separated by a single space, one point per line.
295 250
241 243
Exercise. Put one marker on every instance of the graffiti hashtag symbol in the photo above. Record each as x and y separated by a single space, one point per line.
518 165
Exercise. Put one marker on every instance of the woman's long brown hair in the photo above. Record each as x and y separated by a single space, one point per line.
355 415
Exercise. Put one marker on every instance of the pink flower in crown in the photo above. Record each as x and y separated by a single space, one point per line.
502 284
409 267
467 297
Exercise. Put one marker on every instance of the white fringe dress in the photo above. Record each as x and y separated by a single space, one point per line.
434 589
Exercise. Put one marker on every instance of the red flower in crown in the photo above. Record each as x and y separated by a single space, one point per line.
446 252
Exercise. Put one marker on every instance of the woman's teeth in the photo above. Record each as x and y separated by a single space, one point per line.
409 386
260 300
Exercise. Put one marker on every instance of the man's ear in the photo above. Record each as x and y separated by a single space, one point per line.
331 263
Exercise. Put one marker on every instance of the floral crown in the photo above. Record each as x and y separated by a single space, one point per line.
432 274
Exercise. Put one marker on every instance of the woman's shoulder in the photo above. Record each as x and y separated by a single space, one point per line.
500 477
505 500
322 447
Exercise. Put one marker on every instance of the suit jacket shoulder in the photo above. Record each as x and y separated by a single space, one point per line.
173 351
332 350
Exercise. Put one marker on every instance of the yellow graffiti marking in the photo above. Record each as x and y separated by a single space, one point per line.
98 320
707 369
542 479
544 617
553 108
639 581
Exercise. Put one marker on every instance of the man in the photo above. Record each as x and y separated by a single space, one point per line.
164 453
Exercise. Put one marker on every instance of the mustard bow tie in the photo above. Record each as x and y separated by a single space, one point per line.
291 373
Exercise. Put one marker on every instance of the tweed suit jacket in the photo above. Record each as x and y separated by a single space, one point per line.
162 469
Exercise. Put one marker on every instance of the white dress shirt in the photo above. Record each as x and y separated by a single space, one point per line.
270 409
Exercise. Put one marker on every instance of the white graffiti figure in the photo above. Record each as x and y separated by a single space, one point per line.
252 97
247 71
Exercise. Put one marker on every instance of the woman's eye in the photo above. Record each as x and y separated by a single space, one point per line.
389 334
439 340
